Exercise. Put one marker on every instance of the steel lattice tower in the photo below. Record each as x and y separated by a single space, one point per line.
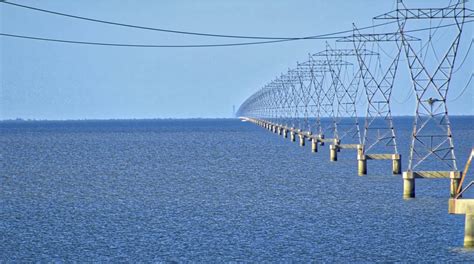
432 140
379 140
345 91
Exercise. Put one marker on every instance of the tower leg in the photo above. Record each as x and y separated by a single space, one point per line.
453 187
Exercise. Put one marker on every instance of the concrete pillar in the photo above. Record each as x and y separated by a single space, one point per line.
408 185
292 136
279 130
321 142
396 164
361 165
314 145
469 231
333 153
302 141
453 187
285 133
408 188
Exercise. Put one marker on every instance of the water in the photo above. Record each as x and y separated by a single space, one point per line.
211 190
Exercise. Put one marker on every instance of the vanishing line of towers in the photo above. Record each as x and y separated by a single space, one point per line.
327 86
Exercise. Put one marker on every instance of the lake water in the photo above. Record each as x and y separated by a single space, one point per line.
212 190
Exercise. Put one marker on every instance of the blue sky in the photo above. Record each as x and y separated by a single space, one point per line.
41 80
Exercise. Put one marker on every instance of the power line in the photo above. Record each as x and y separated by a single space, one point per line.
465 57
269 40
464 89
410 93
147 28
175 31
139 27
144 45
322 36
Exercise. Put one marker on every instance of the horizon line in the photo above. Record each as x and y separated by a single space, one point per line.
165 118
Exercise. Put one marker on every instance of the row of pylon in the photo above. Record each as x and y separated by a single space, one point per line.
335 147
456 205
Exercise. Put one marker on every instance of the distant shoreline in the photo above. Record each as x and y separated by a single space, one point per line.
164 119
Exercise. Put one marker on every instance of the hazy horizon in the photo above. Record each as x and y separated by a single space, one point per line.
175 118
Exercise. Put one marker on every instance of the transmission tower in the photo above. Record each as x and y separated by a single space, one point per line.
344 91
315 72
379 140
431 145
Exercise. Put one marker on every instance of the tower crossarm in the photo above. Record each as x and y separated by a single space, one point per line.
393 36
316 62
320 65
454 11
344 52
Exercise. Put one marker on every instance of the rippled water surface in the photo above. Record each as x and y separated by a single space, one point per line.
211 190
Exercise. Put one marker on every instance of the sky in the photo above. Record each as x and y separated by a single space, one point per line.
43 80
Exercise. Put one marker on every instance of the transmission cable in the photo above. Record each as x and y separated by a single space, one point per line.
410 93
322 36
465 57
145 45
463 90
176 31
